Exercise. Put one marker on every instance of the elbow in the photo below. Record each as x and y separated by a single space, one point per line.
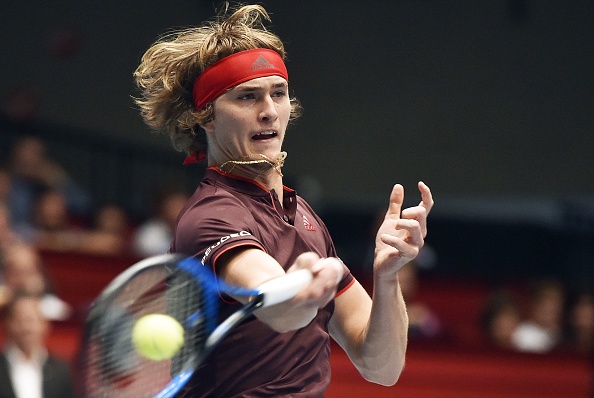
386 380
284 327
284 324
383 372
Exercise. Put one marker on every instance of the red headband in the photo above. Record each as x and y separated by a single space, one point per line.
236 69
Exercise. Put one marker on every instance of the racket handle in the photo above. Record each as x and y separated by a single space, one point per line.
284 287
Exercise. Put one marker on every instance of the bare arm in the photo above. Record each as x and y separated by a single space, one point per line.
373 331
252 267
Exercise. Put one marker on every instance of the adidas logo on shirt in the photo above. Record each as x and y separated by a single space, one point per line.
308 225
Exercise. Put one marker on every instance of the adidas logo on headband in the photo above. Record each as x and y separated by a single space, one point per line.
261 63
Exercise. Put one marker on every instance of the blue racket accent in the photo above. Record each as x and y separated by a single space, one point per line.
176 384
194 320
213 287
208 283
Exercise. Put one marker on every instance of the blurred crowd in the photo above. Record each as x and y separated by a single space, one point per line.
547 318
538 317
42 208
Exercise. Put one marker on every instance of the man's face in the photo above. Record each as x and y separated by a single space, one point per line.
249 119
26 325
22 269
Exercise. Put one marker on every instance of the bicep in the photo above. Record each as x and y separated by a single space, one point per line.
351 315
247 267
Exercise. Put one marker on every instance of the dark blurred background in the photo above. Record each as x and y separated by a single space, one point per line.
490 102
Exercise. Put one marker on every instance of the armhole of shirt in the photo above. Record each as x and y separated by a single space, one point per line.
344 289
246 245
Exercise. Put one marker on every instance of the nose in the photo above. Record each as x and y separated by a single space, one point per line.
268 111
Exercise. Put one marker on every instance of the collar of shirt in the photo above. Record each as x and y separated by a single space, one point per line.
253 188
26 374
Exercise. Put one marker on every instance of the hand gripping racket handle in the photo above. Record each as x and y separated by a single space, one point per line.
284 287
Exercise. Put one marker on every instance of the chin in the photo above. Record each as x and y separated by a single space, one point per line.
270 154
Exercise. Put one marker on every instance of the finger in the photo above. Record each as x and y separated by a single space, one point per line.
418 213
426 196
403 249
396 199
414 213
327 274
414 236
414 229
306 260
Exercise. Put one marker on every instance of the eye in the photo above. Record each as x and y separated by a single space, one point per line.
248 96
279 94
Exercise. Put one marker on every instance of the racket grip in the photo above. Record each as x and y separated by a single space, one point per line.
284 287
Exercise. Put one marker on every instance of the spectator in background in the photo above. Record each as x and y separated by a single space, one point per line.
7 234
422 322
542 331
50 228
580 323
21 271
33 172
27 370
155 235
7 238
5 182
500 319
110 234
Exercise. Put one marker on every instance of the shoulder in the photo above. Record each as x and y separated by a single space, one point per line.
5 384
209 220
57 364
204 207
304 207
58 377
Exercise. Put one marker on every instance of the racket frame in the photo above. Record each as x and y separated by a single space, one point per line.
270 293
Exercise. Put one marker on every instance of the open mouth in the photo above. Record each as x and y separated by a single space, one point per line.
264 135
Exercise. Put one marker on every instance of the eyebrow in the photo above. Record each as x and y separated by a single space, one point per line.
247 87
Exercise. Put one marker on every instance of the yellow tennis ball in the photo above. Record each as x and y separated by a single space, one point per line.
157 336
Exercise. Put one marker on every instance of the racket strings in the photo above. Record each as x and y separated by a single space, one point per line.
111 365
186 303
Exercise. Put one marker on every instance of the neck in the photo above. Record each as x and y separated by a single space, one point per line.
260 168
276 183
270 178
29 352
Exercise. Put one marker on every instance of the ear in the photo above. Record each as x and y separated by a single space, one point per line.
208 127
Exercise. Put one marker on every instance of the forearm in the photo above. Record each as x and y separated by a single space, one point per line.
373 332
383 346
287 316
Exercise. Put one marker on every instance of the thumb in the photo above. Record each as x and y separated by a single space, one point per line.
396 200
305 260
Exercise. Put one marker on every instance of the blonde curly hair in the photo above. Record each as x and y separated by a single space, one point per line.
169 68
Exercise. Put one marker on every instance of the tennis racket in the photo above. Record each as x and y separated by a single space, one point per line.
176 286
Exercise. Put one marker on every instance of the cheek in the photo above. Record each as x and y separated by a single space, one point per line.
284 111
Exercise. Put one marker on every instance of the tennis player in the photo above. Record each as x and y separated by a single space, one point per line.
221 91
